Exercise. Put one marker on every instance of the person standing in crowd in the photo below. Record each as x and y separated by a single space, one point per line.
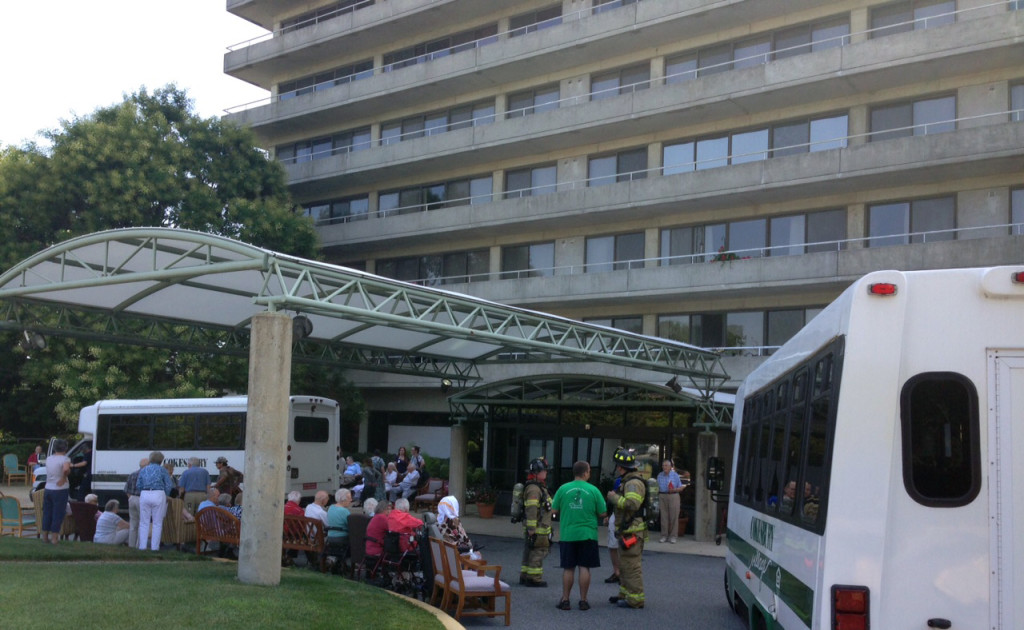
85 468
56 491
630 529
154 486
378 462
579 506
131 488
417 459
192 484
536 524
229 478
401 462
669 487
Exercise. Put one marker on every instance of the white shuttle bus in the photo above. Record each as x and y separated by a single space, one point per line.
121 432
878 477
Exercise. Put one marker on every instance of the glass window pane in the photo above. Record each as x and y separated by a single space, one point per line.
410 200
752 53
826 228
457 193
600 254
934 15
604 86
629 324
750 146
711 241
412 128
1017 211
1017 103
632 165
601 171
629 249
360 139
830 35
481 189
390 134
891 20
387 203
792 42
677 246
712 153
931 215
714 60
745 330
359 208
679 69
674 327
544 180
677 158
517 183
708 330
829 133
514 260
460 118
542 259
634 79
455 267
546 99
483 114
790 139
747 238
478 265
934 115
888 224
787 236
782 325
897 118
519 105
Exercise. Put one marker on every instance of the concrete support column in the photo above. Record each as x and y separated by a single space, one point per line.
860 22
364 432
652 242
457 464
706 509
494 262
266 444
856 224
858 124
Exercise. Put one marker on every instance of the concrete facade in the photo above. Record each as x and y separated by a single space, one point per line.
711 71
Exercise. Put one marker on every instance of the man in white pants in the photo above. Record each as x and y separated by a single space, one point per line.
131 489
155 486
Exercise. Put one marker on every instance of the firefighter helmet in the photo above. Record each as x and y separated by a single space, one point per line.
625 458
538 465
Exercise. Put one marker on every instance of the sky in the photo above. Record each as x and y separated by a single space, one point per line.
63 59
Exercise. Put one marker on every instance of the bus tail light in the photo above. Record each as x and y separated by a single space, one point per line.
1017 277
882 288
850 607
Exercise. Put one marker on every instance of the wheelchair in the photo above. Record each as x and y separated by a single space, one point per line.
400 570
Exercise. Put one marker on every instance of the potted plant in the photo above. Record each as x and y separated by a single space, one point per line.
485 498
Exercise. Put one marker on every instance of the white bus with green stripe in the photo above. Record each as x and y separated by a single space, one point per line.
876 457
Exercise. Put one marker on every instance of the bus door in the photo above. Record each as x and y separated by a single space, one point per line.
1006 503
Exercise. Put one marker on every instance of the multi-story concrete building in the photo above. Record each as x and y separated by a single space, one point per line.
713 171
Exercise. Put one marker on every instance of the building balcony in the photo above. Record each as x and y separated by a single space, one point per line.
840 74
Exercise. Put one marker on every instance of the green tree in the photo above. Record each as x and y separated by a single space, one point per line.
147 161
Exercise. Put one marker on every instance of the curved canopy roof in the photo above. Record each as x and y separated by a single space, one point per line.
195 291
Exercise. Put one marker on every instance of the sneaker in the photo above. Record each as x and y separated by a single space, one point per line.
664 540
612 579
583 605
564 605
672 541
534 583
614 599
623 604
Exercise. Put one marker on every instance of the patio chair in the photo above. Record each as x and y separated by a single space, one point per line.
430 495
12 469
67 526
11 518
476 587
84 515
357 544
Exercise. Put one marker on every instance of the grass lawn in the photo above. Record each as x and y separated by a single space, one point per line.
96 586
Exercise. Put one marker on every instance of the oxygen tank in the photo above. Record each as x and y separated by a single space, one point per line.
651 502
517 503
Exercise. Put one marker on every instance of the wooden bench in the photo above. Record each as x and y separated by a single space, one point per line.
305 534
216 525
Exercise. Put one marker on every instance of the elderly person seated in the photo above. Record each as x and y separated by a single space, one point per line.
224 502
404 524
318 508
352 474
212 495
337 529
409 483
377 528
111 529
292 505
450 525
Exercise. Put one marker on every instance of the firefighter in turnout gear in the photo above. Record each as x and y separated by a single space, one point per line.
630 529
537 525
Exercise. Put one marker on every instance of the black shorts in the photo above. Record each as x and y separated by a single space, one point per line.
579 553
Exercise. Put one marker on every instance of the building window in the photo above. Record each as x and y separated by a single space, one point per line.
914 118
338 211
920 221
306 150
1017 101
622 81
535 21
325 80
911 16
600 6
329 12
624 166
1017 211
436 123
438 269
808 38
941 439
613 253
457 192
442 47
533 101
528 261
528 182
749 330
630 324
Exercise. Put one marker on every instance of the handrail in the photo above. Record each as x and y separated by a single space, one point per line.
844 40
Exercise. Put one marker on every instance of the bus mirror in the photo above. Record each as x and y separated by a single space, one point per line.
715 477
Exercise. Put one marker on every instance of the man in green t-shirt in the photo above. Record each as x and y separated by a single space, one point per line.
579 506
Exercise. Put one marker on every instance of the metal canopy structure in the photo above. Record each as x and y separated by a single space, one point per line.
194 291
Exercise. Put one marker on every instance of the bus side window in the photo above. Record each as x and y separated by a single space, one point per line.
794 443
941 449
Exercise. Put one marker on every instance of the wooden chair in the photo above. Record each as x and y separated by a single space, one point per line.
470 583
304 534
431 495
12 519
84 515
216 525
67 526
14 470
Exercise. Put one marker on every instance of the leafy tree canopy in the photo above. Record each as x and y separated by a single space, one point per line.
147 161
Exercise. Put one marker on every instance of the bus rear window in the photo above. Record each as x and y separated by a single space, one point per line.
941 450
309 429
